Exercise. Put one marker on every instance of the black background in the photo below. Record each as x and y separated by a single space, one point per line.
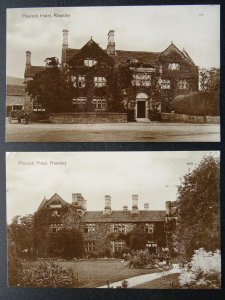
35 293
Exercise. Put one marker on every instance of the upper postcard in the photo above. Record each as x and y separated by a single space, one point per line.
113 74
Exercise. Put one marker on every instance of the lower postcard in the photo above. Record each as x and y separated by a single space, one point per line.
142 220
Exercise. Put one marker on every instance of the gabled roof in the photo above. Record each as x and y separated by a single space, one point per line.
33 70
90 45
70 53
51 200
172 48
123 216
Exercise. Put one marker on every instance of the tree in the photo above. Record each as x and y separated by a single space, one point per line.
209 79
52 87
70 242
199 208
21 233
138 238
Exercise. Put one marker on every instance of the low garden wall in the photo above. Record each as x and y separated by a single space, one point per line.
88 117
173 117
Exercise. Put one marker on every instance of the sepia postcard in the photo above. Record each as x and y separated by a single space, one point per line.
89 74
139 220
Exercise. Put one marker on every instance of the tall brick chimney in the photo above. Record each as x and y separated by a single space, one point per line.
111 47
134 204
107 209
64 46
168 208
28 59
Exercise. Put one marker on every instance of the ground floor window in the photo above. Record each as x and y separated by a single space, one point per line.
118 246
79 103
38 106
99 103
90 246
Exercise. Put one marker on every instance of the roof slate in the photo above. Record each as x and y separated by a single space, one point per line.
33 70
15 90
122 55
124 216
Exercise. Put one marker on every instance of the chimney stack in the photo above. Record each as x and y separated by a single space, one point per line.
84 204
125 208
64 47
107 209
28 58
111 47
146 206
168 208
65 38
134 204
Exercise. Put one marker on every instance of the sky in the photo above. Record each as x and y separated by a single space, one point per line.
145 28
154 176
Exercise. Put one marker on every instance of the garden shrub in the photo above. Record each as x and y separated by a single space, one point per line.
141 258
47 274
203 271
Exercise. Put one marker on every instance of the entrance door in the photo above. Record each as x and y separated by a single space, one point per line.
141 109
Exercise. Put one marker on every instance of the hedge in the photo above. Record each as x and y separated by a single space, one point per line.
197 103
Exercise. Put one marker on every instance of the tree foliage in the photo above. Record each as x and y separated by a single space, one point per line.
21 232
209 79
138 238
52 87
199 208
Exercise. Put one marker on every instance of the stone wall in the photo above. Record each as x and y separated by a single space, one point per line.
88 118
173 117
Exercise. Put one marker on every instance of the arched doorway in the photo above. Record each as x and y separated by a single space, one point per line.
141 106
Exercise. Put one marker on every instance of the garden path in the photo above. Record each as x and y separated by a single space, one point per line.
136 280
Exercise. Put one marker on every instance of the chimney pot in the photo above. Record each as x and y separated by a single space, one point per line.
146 206
125 208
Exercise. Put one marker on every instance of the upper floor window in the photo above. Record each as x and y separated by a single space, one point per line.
119 228
99 104
165 84
56 227
88 62
149 228
141 79
78 81
183 85
100 81
89 228
174 66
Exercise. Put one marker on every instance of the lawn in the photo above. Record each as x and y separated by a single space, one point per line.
165 282
94 273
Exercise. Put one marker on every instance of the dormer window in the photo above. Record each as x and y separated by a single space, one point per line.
89 62
183 84
174 66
